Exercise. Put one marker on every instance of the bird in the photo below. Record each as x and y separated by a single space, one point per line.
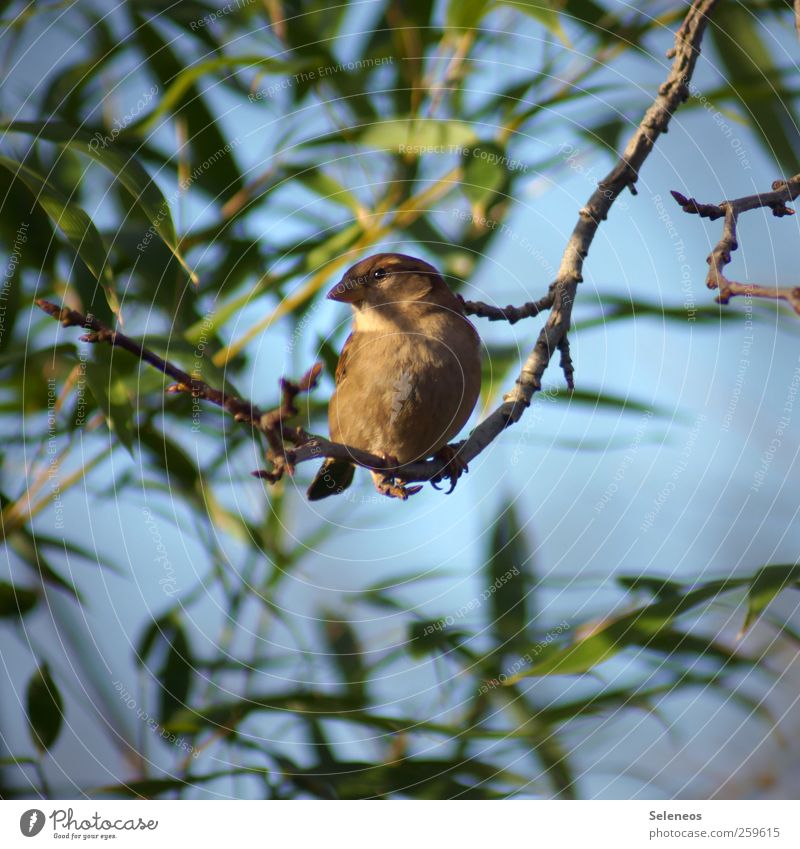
409 374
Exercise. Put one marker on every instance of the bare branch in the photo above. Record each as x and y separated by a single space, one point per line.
566 361
671 94
510 314
273 423
783 192
242 411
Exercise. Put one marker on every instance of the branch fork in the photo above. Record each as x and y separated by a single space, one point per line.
783 192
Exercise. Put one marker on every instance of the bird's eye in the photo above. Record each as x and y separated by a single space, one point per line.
379 273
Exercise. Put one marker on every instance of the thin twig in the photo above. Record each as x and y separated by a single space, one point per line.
242 411
272 423
510 314
783 192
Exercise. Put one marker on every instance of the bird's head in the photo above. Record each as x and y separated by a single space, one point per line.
385 279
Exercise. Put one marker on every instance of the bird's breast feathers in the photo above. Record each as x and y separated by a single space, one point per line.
407 388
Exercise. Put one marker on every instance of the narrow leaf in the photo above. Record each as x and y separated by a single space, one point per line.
766 584
175 676
111 395
610 637
347 655
128 170
73 222
507 589
16 601
45 709
543 11
418 136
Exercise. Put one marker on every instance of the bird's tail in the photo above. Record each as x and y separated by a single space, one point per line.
333 477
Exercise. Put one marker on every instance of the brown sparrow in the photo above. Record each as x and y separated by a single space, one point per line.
409 374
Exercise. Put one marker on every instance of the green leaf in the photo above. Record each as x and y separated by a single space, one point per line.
485 173
328 187
606 135
130 173
508 583
465 14
675 644
45 709
344 647
184 82
434 635
210 148
327 353
333 246
64 91
168 636
543 11
766 584
10 287
605 401
145 788
73 222
658 587
609 637
180 471
17 761
65 546
313 24
621 308
191 357
27 547
148 640
111 394
418 136
16 601
175 676
84 285
746 60
229 714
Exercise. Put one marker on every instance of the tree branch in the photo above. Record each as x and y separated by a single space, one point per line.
242 411
783 192
273 423
510 314
553 336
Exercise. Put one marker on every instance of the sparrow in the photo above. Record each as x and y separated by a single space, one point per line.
409 374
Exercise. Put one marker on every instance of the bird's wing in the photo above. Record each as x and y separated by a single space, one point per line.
341 366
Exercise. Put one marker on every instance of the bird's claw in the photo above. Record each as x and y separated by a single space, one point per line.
454 467
396 490
390 486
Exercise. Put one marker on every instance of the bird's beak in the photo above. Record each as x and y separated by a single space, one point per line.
346 292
